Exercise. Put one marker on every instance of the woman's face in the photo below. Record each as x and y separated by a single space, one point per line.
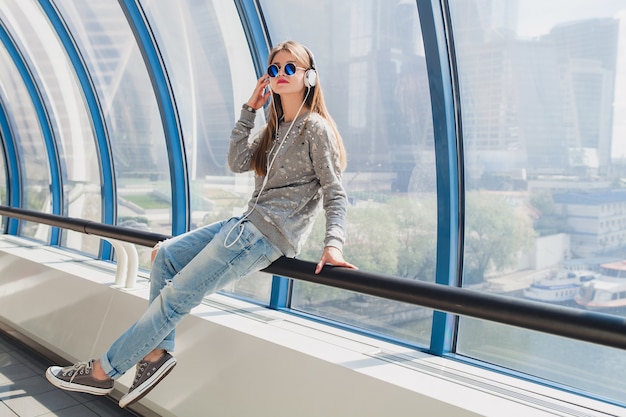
282 83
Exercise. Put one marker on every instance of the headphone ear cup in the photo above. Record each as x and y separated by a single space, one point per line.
310 78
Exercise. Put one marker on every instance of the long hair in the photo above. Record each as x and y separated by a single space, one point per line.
314 102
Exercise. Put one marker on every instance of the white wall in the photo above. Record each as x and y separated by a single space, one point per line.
551 251
237 359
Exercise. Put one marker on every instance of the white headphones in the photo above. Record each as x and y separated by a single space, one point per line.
310 76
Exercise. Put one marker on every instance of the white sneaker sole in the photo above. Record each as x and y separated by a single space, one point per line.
142 390
70 386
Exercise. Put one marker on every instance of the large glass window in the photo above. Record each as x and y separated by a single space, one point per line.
131 113
63 99
371 65
34 166
543 104
202 43
4 184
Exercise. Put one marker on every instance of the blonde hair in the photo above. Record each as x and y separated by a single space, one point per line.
314 102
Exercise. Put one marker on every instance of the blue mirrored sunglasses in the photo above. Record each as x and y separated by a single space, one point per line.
290 69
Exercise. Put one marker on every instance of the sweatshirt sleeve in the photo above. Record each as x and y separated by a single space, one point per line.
325 158
240 151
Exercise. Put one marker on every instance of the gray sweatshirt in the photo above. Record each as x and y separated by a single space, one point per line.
305 173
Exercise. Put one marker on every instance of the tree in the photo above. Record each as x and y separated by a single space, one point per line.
416 223
496 229
372 238
548 221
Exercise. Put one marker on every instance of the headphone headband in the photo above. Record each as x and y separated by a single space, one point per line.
311 57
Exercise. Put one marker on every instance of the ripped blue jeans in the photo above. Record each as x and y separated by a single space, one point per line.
186 269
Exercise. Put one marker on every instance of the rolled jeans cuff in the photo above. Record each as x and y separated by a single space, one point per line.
107 368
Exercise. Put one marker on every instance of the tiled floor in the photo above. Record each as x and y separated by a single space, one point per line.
25 392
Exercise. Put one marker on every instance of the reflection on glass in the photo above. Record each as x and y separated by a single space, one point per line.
545 160
62 96
31 147
129 106
128 101
376 87
211 79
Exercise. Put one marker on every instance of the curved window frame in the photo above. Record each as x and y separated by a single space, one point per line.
169 114
445 110
56 181
11 162
96 117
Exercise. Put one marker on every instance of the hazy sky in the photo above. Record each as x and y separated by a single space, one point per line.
537 17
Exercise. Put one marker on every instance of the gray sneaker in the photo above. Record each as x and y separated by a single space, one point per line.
78 377
147 376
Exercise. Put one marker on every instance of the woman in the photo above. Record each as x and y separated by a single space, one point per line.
298 160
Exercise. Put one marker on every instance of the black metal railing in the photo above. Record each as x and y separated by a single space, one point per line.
589 326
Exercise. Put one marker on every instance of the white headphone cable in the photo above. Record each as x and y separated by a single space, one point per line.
267 173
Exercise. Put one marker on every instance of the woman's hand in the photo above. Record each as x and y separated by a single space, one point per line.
260 95
332 256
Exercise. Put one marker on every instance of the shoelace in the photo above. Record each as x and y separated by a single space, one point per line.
82 368
141 367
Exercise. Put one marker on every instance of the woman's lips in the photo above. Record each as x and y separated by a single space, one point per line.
283 81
